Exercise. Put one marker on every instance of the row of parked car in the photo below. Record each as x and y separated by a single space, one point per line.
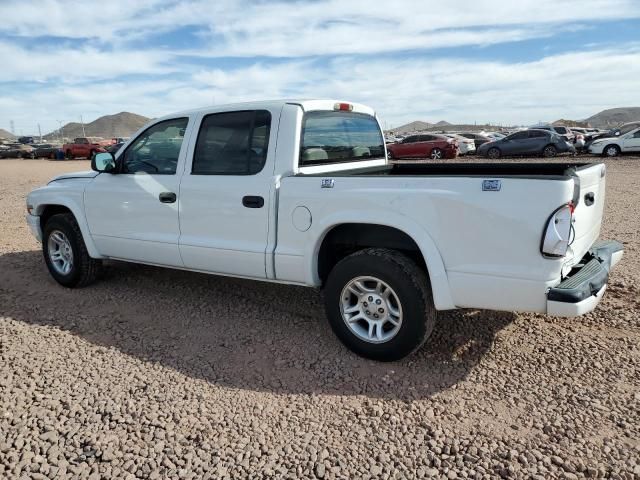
81 147
545 140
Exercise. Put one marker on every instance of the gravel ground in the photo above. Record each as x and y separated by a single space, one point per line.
154 373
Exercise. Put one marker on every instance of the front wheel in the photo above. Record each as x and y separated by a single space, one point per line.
611 151
65 252
379 304
493 153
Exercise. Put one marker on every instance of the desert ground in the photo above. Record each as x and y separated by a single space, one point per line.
153 373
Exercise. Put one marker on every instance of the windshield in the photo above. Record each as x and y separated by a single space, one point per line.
339 136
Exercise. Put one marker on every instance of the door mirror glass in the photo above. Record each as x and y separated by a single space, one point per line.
103 162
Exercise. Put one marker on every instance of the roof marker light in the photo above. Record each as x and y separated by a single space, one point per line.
343 106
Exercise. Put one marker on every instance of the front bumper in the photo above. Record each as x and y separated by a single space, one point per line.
34 225
585 285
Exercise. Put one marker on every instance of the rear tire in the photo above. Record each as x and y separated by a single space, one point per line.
549 151
436 154
611 151
65 252
69 155
400 294
494 153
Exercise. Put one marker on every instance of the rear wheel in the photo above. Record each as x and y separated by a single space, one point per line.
437 154
65 252
494 153
379 304
549 151
390 154
69 155
611 151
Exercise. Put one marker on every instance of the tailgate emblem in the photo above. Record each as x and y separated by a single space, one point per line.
327 183
491 185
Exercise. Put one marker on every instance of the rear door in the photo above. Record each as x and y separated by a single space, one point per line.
516 143
225 191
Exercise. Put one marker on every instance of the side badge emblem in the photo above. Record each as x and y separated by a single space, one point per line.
491 185
327 183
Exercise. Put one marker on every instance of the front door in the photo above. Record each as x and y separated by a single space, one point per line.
632 142
133 213
225 192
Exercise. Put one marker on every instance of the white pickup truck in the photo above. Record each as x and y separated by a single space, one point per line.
302 192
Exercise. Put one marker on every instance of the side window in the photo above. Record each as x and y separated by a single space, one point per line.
536 134
411 139
426 138
519 136
157 149
637 134
232 143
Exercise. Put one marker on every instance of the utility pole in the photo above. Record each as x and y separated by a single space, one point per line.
60 136
13 127
40 133
82 122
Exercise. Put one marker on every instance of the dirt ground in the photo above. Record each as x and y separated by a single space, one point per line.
153 373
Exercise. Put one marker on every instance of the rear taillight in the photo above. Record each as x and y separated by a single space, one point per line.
557 234
346 107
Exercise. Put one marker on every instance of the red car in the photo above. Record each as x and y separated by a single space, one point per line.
83 147
424 146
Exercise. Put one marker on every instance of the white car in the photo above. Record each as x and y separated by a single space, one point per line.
302 192
614 146
466 146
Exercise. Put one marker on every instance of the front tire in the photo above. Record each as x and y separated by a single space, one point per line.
379 304
611 151
494 153
65 252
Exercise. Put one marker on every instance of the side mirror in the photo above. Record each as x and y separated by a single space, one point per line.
103 162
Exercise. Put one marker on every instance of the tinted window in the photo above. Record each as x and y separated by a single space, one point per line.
157 149
232 143
536 134
329 137
637 134
518 136
468 135
411 139
561 130
427 138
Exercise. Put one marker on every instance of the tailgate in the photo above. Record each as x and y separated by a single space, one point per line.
589 201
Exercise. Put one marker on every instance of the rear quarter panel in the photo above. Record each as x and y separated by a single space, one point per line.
482 248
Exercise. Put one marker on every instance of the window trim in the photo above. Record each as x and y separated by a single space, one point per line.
251 130
122 156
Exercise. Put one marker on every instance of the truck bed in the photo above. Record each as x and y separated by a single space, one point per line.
548 170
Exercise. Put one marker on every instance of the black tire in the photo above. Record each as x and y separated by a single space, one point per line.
413 291
611 151
85 270
437 154
549 151
494 153
69 155
390 154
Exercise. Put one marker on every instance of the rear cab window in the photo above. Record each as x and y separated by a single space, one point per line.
338 137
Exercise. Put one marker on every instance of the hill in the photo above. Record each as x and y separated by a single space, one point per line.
416 126
122 124
571 123
614 116
5 134
442 123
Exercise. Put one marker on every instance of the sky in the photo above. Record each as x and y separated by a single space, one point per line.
514 62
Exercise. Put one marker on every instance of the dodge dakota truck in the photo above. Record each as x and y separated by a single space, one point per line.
83 147
303 193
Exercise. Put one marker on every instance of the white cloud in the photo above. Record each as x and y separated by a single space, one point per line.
572 85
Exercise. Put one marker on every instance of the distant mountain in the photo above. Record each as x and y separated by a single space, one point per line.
122 124
5 134
442 123
614 116
570 123
413 127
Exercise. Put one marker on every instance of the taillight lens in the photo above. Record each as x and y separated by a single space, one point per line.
557 234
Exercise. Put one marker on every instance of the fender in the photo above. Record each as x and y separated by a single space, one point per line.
439 281
73 201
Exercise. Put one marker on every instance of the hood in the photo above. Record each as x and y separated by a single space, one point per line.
85 174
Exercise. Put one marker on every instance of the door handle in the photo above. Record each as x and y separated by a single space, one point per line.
251 201
167 197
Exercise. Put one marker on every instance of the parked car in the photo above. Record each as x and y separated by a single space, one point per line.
614 132
614 146
45 150
478 138
25 140
527 142
561 130
17 150
83 147
114 147
466 146
424 146
388 243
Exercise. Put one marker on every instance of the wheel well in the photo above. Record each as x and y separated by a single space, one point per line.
348 238
51 210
